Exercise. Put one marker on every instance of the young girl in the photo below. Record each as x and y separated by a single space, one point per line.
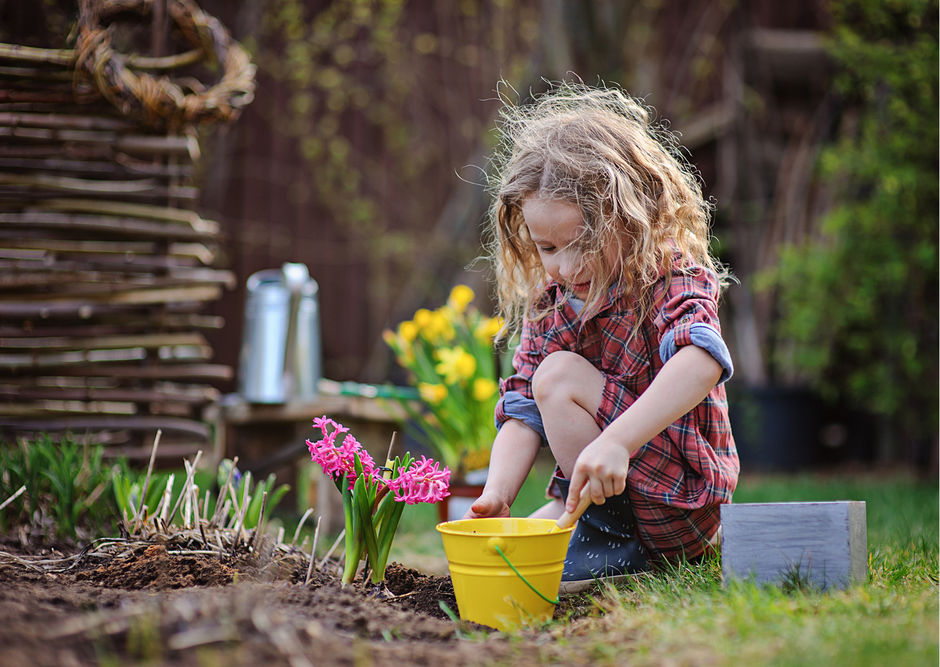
600 243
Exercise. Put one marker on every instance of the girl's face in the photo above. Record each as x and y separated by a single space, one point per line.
556 228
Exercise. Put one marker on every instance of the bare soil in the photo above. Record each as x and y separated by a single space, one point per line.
155 607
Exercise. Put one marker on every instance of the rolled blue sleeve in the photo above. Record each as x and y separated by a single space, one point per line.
706 337
517 406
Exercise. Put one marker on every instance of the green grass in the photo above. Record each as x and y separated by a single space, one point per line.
67 488
898 508
687 616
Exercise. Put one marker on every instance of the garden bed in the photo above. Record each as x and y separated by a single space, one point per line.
155 606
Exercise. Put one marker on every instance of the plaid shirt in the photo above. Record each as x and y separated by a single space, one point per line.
677 480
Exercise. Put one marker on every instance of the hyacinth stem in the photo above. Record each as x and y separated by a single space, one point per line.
379 495
353 540
362 499
386 537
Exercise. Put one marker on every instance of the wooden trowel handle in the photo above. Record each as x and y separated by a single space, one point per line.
568 519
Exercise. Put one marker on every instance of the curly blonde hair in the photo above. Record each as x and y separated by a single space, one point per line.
597 149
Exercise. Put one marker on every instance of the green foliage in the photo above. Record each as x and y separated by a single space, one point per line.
128 485
275 493
71 492
860 303
68 491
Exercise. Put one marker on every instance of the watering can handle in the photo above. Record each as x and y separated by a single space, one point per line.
568 519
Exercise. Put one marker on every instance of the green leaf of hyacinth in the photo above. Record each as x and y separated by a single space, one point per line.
386 537
353 537
363 507
382 513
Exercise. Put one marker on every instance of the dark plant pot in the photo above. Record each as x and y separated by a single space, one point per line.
776 428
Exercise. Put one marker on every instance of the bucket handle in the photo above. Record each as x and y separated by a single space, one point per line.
524 580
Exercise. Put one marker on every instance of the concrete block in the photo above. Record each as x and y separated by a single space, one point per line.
824 543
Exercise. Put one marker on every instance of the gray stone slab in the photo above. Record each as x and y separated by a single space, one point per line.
824 543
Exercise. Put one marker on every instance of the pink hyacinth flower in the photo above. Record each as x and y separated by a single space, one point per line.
325 422
423 482
347 458
338 461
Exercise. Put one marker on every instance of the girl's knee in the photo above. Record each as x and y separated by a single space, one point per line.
563 375
549 377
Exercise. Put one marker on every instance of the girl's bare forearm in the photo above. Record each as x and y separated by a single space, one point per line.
514 451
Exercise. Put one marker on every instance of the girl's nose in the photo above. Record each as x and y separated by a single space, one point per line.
567 267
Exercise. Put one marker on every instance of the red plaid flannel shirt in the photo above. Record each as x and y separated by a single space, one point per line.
677 480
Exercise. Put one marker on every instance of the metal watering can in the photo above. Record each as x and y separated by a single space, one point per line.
281 356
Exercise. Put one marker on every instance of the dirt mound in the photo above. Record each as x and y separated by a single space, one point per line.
157 569
421 592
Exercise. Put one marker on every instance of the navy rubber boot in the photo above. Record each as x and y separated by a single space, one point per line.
604 544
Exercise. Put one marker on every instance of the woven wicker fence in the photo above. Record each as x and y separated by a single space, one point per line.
105 266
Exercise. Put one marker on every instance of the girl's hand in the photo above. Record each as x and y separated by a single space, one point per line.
514 451
602 466
488 505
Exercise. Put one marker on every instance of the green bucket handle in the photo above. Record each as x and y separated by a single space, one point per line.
519 574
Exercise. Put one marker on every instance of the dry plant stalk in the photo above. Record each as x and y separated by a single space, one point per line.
313 552
22 490
143 491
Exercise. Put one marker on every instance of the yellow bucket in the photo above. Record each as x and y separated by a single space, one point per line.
490 562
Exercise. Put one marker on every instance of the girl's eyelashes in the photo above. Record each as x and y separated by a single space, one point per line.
546 248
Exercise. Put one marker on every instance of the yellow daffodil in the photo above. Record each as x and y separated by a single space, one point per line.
422 319
451 418
484 389
447 329
449 314
400 345
432 393
439 328
460 297
455 364
466 365
487 329
408 330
